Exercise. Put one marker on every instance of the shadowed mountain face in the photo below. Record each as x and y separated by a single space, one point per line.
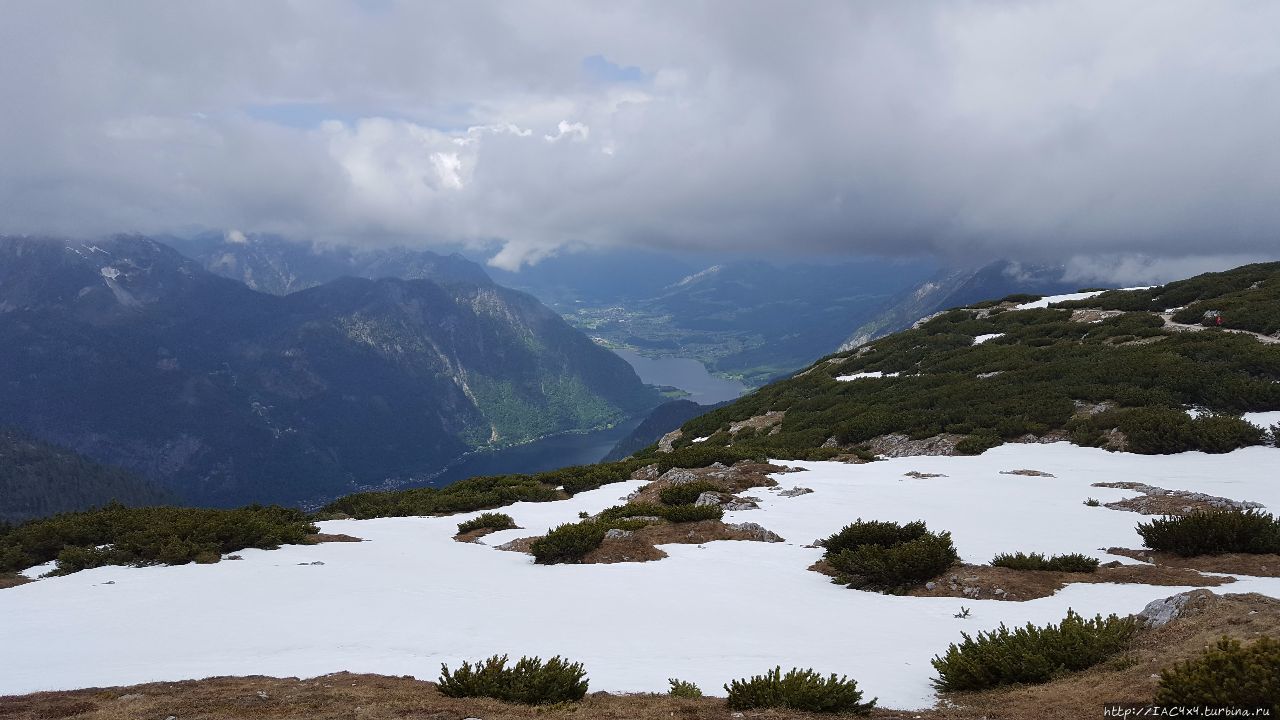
132 354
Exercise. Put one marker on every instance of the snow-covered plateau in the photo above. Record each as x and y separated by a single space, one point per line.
410 597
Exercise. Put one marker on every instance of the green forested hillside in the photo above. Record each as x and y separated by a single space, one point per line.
39 479
1103 371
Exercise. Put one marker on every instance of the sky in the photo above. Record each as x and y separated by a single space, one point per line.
1134 139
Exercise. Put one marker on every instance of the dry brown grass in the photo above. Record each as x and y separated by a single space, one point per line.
12 580
317 538
1131 677
473 535
1261 565
734 479
983 581
1159 501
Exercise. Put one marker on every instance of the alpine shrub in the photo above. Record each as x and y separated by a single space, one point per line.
978 443
886 556
803 690
686 494
1228 674
1209 532
692 513
1074 562
873 532
1030 654
529 681
489 521
683 689
568 542
897 568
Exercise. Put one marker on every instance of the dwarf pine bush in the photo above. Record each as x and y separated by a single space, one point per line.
1073 562
683 689
886 556
803 690
1030 654
568 542
1213 531
529 681
489 521
1228 674
686 494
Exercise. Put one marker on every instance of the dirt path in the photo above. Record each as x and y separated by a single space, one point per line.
1182 327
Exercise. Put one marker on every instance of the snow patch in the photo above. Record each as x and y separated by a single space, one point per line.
1045 302
1263 420
983 338
110 273
864 375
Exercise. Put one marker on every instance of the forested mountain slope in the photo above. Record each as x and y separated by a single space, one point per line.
134 355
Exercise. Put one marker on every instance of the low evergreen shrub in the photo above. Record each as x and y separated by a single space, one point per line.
1030 654
686 494
1228 674
1074 562
897 568
682 689
489 521
978 443
1209 532
803 690
529 681
873 532
118 535
568 543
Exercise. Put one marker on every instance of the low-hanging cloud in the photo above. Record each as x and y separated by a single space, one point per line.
1038 130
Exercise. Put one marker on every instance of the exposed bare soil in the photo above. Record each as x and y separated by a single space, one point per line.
318 538
14 580
1261 565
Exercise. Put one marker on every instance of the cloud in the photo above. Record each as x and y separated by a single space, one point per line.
1041 130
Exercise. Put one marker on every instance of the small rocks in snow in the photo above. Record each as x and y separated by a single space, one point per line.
795 492
739 505
617 534
758 532
1028 473
931 585
922 475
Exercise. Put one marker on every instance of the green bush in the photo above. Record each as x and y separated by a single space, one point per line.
897 568
117 535
1073 562
686 494
1209 532
1030 654
1229 674
682 689
488 521
529 681
803 690
978 443
671 513
692 513
873 532
568 543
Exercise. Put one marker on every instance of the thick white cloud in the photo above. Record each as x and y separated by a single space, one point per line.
1040 130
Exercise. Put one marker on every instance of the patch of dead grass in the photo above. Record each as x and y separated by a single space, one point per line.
317 538
1260 565
12 580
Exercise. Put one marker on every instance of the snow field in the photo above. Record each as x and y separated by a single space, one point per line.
411 598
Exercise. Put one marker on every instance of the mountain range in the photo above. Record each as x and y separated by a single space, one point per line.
135 355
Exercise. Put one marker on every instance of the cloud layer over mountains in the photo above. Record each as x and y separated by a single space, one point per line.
1042 130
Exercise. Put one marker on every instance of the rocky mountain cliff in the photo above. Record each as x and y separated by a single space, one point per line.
132 354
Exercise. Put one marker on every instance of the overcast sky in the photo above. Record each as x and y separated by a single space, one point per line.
1139 135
